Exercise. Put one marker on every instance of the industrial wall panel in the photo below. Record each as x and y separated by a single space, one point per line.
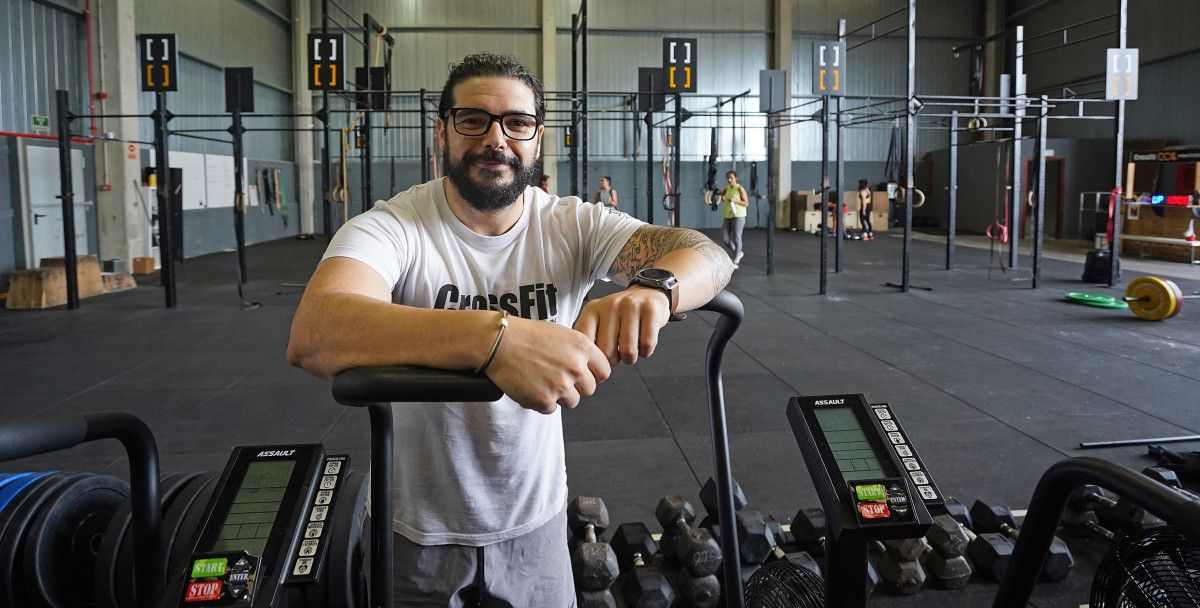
202 91
704 15
283 7
435 13
729 64
227 33
1158 30
41 50
934 17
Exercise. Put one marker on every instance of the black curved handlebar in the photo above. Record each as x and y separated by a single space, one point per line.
361 386
32 438
1050 498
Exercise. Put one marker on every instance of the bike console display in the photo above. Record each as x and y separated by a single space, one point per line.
871 482
263 528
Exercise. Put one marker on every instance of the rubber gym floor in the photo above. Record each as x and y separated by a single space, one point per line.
994 381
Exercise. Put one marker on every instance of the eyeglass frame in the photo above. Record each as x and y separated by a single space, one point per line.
492 118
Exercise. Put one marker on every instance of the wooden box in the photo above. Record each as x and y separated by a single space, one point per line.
87 273
143 265
37 288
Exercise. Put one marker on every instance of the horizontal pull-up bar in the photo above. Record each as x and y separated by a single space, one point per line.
1056 47
873 37
872 23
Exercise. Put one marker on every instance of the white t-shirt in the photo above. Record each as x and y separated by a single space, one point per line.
479 473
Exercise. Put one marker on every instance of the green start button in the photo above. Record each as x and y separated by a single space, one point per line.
872 491
205 568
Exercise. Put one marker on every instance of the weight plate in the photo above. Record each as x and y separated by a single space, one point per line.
1151 298
12 544
64 538
347 564
124 583
1178 296
1094 299
16 480
104 572
188 527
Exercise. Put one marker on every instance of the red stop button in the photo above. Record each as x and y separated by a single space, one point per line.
203 591
873 510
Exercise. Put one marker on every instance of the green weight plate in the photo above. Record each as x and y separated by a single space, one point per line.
104 573
64 538
12 543
1094 299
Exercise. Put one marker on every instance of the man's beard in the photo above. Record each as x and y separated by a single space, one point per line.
490 196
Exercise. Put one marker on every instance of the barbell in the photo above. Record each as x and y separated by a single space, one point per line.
1150 298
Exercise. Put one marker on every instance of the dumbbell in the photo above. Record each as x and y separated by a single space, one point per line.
899 568
959 512
695 548
593 562
808 528
755 539
991 519
1080 517
645 585
946 563
694 592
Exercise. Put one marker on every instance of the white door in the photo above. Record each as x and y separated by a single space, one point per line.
44 218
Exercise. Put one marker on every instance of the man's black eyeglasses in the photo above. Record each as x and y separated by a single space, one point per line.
474 122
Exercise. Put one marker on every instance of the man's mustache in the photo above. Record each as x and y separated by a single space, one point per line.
493 157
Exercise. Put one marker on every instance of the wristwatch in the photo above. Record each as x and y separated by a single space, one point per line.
664 281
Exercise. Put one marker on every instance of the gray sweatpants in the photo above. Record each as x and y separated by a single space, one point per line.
530 571
731 232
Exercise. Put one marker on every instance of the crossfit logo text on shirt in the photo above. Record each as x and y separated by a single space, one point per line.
537 301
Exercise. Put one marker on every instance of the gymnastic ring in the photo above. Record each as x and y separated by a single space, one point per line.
920 197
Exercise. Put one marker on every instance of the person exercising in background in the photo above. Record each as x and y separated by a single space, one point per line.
734 202
479 270
864 210
606 195
544 183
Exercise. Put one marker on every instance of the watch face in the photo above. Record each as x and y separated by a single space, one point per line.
655 274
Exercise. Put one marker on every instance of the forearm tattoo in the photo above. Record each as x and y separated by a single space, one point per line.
650 243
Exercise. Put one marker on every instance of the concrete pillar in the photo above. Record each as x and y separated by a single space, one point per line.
994 13
123 218
302 104
781 59
549 74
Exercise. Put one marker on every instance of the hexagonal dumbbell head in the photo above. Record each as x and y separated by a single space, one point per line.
594 566
633 545
808 528
959 512
900 577
596 599
648 587
947 536
1059 562
906 549
585 510
990 517
991 552
696 592
694 548
948 572
708 497
754 538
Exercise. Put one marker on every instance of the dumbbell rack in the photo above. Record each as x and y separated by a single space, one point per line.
377 387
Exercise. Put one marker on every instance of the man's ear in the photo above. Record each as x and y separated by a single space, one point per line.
439 129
